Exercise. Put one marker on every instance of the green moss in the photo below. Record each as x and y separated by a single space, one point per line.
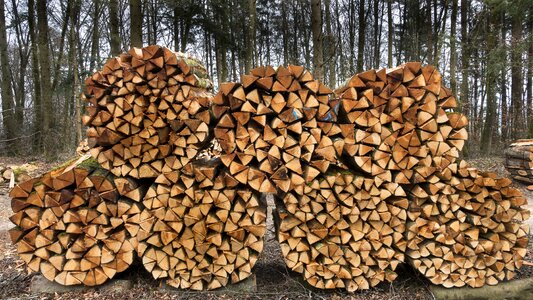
88 164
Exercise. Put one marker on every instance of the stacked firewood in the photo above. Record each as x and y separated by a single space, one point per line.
268 128
148 112
201 228
364 178
402 128
465 228
519 161
76 224
343 230
172 201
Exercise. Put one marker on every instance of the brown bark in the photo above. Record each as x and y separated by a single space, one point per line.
114 32
316 27
46 86
136 24
8 116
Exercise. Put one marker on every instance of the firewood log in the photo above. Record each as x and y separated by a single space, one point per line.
465 227
148 112
201 229
268 128
75 225
519 160
397 125
343 230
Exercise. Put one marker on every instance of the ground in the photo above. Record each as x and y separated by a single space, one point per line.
273 279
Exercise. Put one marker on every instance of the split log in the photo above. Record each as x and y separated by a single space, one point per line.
83 148
76 225
148 112
201 229
519 160
268 128
465 227
343 230
397 123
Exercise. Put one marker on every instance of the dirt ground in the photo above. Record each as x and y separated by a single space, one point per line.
274 280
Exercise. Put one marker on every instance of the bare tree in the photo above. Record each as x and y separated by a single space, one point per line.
316 27
7 90
46 86
136 37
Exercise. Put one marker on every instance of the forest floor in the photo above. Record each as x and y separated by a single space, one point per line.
273 279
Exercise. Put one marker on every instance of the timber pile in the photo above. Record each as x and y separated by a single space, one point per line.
465 228
365 178
268 128
76 225
402 130
201 228
148 112
519 160
343 230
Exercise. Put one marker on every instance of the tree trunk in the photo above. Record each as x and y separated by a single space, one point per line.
389 33
377 34
37 102
316 27
530 73
507 124
8 120
250 37
361 36
59 59
136 16
44 58
114 28
331 58
176 24
95 44
463 95
285 32
519 129
487 134
453 54
73 42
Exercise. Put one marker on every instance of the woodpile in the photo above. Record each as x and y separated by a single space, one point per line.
465 228
403 130
148 112
269 128
364 178
201 228
76 225
519 161
343 230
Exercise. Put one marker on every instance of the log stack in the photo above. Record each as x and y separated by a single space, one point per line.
201 229
76 224
403 130
148 112
465 227
519 161
343 230
365 178
268 128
